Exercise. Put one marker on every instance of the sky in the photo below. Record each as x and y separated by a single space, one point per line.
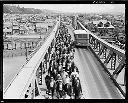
82 8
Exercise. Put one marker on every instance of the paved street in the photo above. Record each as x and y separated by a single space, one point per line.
95 82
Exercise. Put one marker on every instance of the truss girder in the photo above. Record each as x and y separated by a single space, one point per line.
101 50
109 53
108 58
104 52
118 69
113 61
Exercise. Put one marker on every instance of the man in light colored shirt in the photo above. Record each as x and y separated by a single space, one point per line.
75 73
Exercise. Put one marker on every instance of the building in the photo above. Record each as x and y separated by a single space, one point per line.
41 27
23 30
104 26
7 25
15 28
7 31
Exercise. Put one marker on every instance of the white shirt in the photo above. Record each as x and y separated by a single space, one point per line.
67 80
60 86
60 67
64 64
71 54
64 74
51 84
74 73
67 97
69 64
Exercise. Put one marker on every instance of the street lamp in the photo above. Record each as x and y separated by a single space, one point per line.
40 35
26 52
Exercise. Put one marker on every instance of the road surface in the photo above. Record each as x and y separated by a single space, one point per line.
96 84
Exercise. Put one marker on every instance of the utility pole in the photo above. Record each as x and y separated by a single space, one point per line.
26 52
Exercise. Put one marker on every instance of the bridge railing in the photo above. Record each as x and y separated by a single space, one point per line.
111 57
27 83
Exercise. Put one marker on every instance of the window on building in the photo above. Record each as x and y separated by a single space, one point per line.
84 35
79 35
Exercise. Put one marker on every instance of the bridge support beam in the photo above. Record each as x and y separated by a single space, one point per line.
109 53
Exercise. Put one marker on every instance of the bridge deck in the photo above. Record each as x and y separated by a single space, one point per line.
95 82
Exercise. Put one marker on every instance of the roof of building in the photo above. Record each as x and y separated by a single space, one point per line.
7 24
23 29
50 24
80 31
15 23
110 27
43 25
103 21
7 30
15 27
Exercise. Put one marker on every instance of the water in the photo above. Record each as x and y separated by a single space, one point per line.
11 66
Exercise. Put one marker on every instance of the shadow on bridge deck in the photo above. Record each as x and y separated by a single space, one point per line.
95 82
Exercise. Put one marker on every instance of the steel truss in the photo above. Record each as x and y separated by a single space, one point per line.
108 57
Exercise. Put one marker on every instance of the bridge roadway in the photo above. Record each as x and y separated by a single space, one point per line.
96 84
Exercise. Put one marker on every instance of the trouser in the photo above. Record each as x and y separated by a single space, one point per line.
52 90
68 90
77 94
61 93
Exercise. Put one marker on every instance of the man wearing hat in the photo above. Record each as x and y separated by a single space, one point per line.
67 79
60 88
52 86
60 68
64 73
58 78
67 96
47 82
75 73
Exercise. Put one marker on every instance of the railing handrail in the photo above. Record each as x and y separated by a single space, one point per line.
108 45
19 86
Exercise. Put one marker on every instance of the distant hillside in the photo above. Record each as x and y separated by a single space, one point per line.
15 10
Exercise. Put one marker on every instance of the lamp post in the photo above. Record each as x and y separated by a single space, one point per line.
40 35
26 52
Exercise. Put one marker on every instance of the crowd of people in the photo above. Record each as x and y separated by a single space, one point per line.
62 80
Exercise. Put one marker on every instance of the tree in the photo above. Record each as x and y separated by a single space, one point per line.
121 38
116 31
